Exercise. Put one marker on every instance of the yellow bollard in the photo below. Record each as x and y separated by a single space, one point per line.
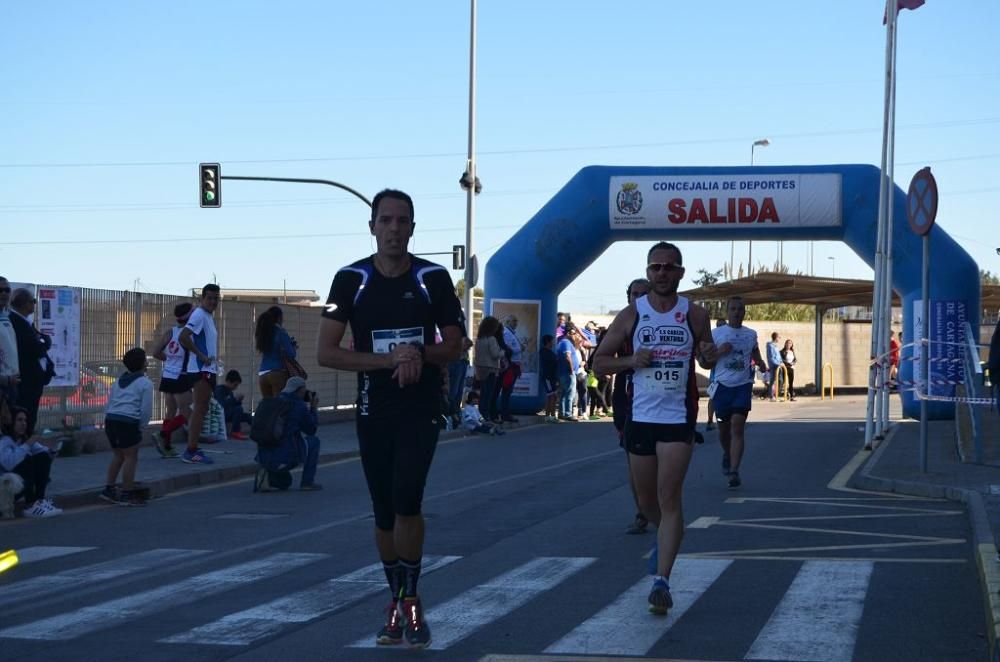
782 376
8 560
822 387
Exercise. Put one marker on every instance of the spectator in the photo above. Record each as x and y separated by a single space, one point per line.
549 372
561 319
788 359
276 347
773 361
513 369
893 358
569 362
232 404
129 409
457 371
487 363
34 366
31 461
473 420
299 443
9 375
597 385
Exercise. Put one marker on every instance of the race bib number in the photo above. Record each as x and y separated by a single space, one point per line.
662 377
386 340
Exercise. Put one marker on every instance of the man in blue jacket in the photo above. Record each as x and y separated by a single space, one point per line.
299 444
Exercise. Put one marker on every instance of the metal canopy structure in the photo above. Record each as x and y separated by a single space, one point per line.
787 288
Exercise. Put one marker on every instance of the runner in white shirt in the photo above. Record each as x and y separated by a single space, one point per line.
732 395
175 385
201 339
667 333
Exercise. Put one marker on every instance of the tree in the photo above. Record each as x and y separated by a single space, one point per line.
707 278
460 289
987 278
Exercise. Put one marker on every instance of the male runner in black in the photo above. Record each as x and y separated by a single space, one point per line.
393 302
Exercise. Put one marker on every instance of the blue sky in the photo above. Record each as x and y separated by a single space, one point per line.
109 106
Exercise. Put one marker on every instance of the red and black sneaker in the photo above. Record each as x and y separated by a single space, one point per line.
416 630
392 632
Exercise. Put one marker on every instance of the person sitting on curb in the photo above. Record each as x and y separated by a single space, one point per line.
31 461
299 443
232 404
473 420
129 409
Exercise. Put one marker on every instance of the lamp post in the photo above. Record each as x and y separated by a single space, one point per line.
470 183
833 266
763 142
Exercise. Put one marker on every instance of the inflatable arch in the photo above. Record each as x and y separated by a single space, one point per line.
605 204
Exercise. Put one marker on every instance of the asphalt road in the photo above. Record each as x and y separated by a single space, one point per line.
526 556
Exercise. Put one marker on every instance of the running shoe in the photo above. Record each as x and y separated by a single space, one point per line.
196 457
109 494
734 479
416 631
170 454
161 444
593 417
392 632
127 498
660 600
726 465
654 558
638 525
238 436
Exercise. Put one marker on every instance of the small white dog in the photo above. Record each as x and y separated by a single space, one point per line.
10 485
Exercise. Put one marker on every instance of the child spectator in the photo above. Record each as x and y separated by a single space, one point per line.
474 421
30 460
129 410
232 404
550 379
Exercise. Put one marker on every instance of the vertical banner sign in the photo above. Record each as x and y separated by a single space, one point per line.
528 316
58 315
947 323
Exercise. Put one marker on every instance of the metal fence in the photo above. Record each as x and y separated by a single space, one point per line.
113 321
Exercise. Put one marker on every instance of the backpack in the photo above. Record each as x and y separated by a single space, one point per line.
268 426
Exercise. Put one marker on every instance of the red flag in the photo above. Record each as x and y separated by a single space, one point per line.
902 4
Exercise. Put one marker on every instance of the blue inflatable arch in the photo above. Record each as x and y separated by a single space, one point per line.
605 204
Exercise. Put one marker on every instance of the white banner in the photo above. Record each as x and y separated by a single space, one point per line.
58 316
726 201
527 312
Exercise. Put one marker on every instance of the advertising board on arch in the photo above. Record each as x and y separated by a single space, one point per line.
725 201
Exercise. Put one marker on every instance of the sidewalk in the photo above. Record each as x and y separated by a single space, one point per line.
894 466
76 481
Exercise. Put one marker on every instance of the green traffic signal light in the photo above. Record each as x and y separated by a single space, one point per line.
210 179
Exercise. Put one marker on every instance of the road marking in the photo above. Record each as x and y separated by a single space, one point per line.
702 523
826 548
840 504
621 629
461 616
844 532
245 627
98 573
138 605
819 615
834 559
252 516
33 554
577 658
951 513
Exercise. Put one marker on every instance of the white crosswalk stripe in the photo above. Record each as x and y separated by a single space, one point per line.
138 605
622 628
461 616
33 554
37 587
819 615
245 627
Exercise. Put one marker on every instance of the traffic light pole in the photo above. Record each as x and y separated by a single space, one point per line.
302 181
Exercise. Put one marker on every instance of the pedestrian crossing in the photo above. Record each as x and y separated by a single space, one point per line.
816 618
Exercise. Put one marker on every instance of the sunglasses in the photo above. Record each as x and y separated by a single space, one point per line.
657 267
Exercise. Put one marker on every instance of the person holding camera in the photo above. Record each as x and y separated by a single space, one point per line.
299 443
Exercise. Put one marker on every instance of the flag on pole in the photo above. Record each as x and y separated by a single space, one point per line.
902 4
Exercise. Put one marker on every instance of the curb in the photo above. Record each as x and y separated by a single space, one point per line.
214 476
985 546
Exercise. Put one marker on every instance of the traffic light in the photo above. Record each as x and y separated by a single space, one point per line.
458 257
210 182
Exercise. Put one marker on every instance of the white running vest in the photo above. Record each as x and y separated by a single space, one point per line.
660 392
174 365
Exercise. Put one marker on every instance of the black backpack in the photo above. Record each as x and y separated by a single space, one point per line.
268 427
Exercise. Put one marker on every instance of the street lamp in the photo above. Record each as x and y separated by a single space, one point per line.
763 142
833 266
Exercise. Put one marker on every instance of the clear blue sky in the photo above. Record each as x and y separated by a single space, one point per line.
108 106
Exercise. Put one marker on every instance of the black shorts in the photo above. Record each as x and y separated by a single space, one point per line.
396 455
204 376
641 438
182 384
122 434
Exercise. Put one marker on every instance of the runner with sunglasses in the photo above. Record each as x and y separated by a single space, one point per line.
668 333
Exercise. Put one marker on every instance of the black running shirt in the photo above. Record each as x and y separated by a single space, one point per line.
384 312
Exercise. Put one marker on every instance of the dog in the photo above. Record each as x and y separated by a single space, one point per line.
10 486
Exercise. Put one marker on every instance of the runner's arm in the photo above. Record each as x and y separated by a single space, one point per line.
187 342
707 353
449 349
162 345
330 354
605 361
